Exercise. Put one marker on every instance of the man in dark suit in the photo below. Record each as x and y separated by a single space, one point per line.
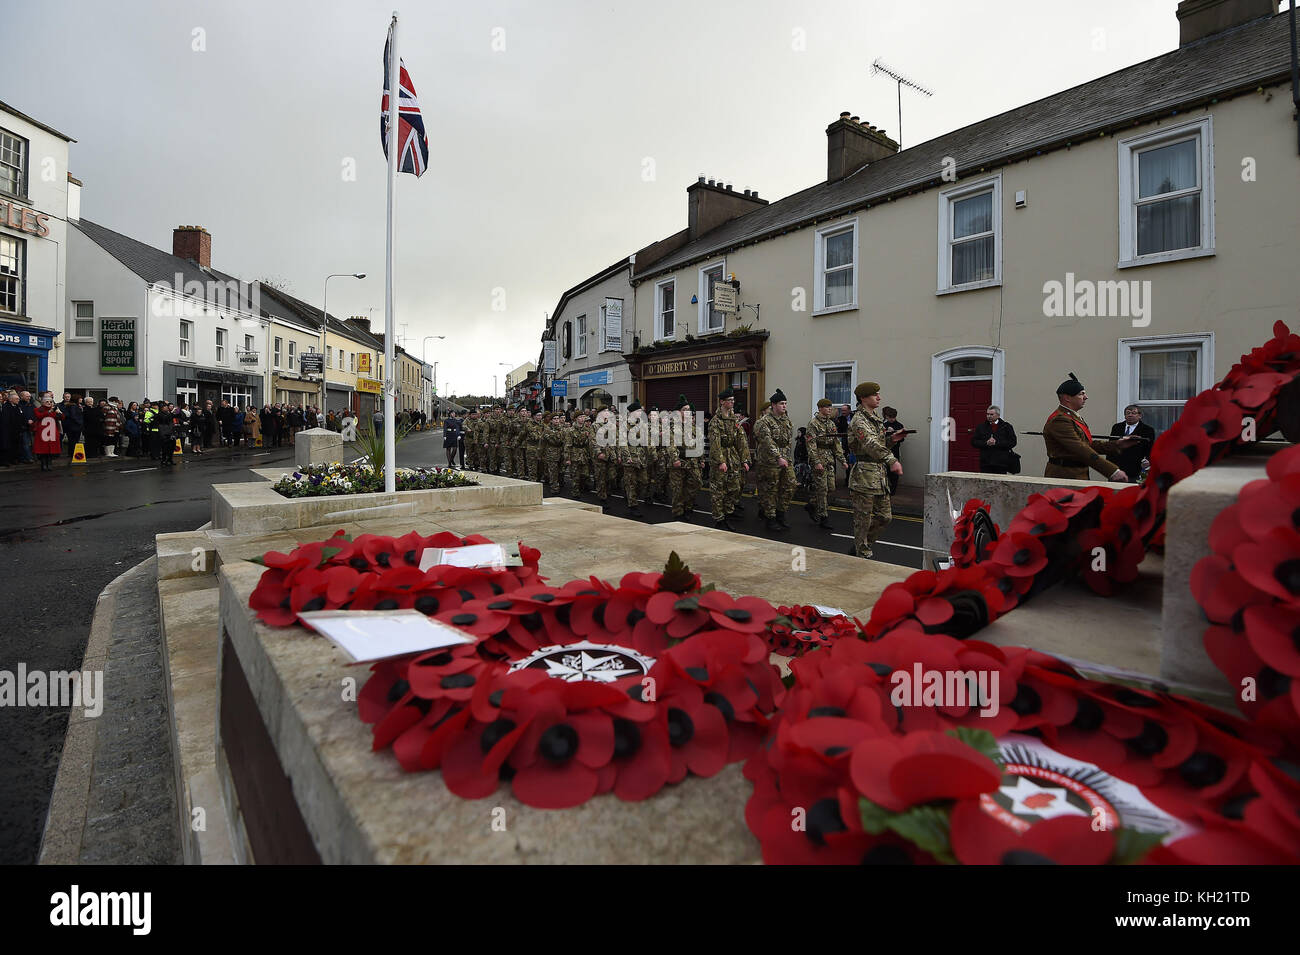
1130 459
994 438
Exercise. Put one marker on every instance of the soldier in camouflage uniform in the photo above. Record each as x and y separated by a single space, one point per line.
825 456
653 467
868 486
728 460
633 456
553 441
484 441
580 456
533 438
518 430
683 469
471 439
772 438
603 456
509 446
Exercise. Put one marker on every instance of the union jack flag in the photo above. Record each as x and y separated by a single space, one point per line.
412 144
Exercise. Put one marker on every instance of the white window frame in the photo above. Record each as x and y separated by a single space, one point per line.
946 199
73 336
20 280
702 317
24 159
580 337
1128 152
221 347
293 356
819 267
186 340
819 370
1129 348
279 350
660 333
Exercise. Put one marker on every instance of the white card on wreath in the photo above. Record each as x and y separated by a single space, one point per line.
368 635
829 611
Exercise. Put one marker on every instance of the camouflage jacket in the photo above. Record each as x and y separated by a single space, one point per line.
772 437
823 438
869 443
727 441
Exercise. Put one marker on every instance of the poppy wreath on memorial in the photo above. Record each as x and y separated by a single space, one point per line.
586 688
973 533
852 773
375 572
798 629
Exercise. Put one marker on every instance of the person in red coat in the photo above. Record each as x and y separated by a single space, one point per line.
47 437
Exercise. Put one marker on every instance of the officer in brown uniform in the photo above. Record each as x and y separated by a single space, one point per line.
1071 448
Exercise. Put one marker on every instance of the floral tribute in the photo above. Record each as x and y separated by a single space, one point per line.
567 692
326 480
796 630
889 783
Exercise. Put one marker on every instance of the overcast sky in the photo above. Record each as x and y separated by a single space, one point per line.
244 116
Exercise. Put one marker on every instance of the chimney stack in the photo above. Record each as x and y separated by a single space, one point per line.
192 242
714 202
851 144
1198 19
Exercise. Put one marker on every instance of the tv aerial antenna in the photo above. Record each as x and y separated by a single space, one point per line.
878 66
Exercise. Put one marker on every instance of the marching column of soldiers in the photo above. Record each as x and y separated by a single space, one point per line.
547 448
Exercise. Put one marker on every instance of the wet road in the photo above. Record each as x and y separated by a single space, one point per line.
64 536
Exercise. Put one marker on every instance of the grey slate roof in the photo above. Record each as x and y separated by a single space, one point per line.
1236 60
158 267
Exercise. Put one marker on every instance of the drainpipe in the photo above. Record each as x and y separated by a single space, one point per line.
1295 78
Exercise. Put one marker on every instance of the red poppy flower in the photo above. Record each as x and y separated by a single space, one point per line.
1271 630
1039 517
1284 463
1226 531
1178 452
1265 505
1021 555
270 598
1215 413
899 772
1272 564
1256 390
747 614
1071 501
979 839
1221 591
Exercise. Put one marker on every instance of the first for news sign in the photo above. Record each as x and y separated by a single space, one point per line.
117 346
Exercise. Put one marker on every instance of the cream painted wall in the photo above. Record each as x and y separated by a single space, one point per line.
1070 224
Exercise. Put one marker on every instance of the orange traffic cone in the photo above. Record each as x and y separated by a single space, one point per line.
79 454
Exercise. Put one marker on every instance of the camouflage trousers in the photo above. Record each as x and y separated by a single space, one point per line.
471 456
821 486
724 490
775 489
871 512
534 462
634 484
683 486
579 470
507 460
554 464
493 456
606 474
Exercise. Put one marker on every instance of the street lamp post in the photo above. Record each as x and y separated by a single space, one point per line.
503 364
424 344
324 323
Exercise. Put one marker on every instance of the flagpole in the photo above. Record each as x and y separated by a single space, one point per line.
394 96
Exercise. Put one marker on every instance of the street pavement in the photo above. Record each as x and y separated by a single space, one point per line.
65 535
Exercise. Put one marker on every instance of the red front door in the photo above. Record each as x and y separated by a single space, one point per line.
967 402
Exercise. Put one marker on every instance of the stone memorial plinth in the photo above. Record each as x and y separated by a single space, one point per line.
317 446
302 784
1006 495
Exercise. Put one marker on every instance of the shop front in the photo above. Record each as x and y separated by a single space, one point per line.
24 357
192 385
369 397
291 390
337 398
700 370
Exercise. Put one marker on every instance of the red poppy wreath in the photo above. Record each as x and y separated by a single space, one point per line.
566 692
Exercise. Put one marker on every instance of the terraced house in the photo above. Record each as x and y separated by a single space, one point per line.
1140 230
